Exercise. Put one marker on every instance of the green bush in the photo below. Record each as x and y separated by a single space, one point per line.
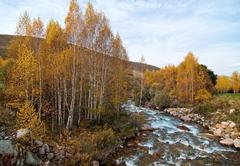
161 100
204 109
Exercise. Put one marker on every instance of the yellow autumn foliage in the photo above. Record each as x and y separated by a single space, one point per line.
28 118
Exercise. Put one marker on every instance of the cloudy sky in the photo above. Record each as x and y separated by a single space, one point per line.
164 31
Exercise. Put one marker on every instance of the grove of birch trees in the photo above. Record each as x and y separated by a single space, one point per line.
68 73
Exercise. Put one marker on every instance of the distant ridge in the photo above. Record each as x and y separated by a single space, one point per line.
135 66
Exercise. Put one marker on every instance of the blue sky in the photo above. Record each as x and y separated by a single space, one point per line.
164 31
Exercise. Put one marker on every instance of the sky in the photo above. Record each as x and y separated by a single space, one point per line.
163 31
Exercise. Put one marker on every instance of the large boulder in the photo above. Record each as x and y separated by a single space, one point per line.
6 147
236 143
227 142
32 159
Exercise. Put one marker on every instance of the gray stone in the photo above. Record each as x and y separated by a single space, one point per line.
41 150
236 143
46 147
38 143
2 134
32 159
227 141
6 147
95 163
50 156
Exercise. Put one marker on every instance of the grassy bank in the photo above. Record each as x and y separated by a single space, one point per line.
221 107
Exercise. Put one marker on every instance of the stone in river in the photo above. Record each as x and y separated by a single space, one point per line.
227 141
183 128
236 143
208 135
147 127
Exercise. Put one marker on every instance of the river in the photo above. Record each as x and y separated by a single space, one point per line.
169 145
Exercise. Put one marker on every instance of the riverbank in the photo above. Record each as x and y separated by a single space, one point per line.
172 141
226 132
90 143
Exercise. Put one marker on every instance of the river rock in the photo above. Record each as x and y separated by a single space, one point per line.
224 124
46 147
235 134
183 128
232 111
50 156
2 134
6 147
41 150
218 132
147 127
186 118
32 159
232 125
95 163
236 143
227 141
130 145
208 135
38 143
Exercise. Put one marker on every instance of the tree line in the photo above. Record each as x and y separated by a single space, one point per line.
228 84
188 82
67 73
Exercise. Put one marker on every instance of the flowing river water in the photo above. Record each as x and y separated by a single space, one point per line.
169 145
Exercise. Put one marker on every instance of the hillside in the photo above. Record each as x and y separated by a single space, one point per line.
135 66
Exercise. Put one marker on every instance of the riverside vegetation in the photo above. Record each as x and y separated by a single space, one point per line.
62 91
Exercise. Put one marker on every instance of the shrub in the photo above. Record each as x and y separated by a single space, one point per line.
204 109
90 145
161 100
